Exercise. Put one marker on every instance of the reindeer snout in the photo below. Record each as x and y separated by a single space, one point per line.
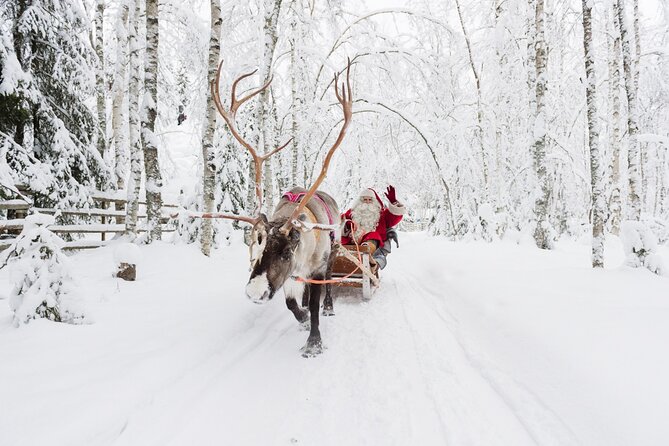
258 289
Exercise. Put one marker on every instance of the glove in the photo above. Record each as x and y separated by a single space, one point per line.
346 232
390 194
392 235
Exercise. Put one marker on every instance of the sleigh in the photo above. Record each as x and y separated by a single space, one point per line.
356 269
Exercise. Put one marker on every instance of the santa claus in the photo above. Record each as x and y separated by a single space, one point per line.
369 221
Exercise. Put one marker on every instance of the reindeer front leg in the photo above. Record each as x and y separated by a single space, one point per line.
292 289
314 345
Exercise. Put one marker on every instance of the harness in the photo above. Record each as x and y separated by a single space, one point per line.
296 198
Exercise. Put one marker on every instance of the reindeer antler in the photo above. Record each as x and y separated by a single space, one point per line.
345 98
229 117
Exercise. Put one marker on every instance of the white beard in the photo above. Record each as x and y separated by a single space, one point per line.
366 218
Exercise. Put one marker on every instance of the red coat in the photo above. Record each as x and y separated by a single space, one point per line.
390 217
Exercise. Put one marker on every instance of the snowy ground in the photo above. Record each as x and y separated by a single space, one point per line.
463 344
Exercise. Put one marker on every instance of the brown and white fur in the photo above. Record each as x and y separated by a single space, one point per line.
279 257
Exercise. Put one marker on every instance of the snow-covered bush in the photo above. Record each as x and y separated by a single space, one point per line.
188 229
488 221
40 272
640 245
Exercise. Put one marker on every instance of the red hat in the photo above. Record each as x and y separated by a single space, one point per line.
369 192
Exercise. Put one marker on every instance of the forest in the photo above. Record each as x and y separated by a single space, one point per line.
491 117
463 203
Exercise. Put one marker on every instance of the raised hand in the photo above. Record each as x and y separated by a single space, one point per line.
390 194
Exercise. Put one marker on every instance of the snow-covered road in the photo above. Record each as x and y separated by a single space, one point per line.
464 344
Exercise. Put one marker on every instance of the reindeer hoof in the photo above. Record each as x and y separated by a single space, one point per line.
312 348
328 311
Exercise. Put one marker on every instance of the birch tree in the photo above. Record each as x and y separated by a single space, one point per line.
614 133
101 134
134 78
632 117
541 232
297 85
154 180
479 108
208 155
597 200
265 123
119 87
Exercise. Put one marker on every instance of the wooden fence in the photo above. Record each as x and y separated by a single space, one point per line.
103 219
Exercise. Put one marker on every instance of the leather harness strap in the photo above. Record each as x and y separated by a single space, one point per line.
314 220
295 198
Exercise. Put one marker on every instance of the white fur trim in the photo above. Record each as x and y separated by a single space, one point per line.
367 193
397 209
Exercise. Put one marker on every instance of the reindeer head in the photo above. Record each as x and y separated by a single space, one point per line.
273 258
274 243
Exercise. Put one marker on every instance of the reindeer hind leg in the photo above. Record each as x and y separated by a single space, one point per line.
314 346
328 306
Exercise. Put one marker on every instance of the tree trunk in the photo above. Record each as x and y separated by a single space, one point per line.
134 181
479 108
119 93
154 181
636 66
101 134
208 155
265 125
614 135
597 195
541 234
297 90
19 50
632 118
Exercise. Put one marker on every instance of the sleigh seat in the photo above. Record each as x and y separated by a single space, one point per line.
342 267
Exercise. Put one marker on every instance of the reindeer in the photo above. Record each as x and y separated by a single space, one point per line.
293 248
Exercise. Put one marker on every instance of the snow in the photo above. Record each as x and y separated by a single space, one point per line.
640 245
464 343
40 273
486 212
127 253
12 74
539 126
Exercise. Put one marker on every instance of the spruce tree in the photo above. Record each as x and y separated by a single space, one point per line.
47 75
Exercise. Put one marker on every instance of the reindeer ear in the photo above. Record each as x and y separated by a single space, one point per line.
263 218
